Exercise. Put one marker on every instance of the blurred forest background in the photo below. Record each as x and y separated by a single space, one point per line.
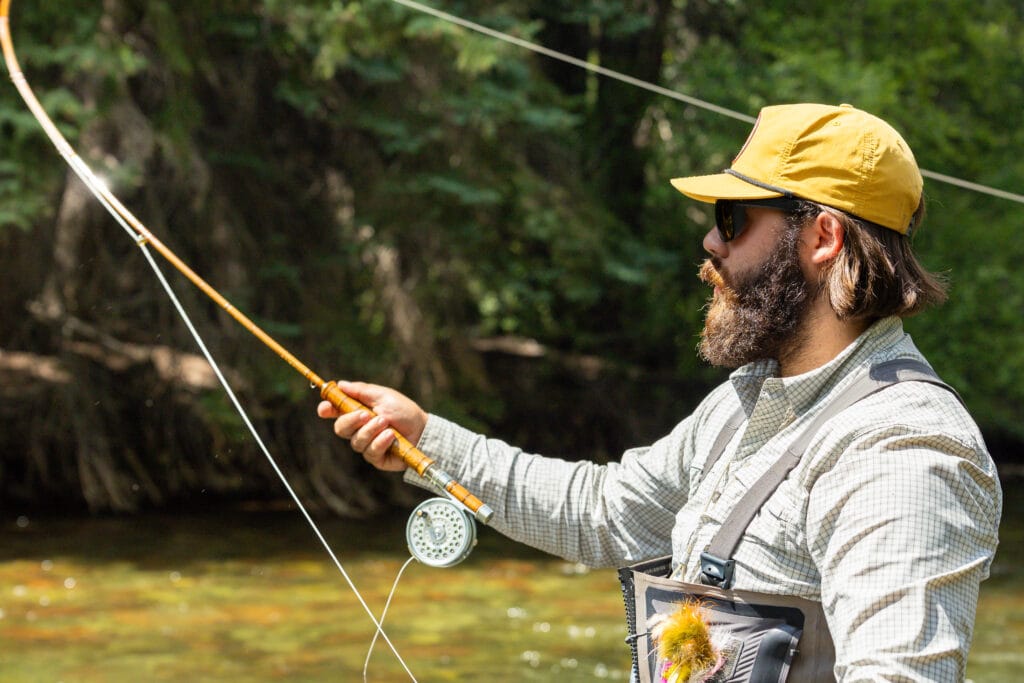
402 201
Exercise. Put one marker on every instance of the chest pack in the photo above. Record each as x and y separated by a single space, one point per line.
746 637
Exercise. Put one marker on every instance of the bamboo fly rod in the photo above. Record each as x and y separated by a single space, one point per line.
425 466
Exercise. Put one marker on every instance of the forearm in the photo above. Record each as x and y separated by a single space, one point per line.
574 510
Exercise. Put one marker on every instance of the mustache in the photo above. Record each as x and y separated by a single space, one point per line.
725 293
709 274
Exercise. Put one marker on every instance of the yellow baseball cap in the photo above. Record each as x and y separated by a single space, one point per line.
837 156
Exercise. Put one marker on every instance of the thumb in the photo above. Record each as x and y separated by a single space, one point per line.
367 394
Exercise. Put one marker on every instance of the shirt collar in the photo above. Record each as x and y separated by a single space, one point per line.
803 391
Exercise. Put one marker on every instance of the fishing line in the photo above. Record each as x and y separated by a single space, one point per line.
383 614
672 94
100 191
441 531
143 237
273 463
562 57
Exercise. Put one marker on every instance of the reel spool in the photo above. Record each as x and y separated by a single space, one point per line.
440 532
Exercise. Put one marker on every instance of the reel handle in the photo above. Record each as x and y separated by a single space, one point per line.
419 461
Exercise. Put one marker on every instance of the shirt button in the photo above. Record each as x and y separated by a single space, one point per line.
715 496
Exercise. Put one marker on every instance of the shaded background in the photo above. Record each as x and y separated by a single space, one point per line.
402 201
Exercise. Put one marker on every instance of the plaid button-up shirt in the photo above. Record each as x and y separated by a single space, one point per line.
890 520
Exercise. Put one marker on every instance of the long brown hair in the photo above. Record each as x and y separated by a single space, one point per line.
876 274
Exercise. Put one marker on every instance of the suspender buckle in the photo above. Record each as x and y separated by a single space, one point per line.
714 571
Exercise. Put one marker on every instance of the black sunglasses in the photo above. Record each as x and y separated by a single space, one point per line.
731 214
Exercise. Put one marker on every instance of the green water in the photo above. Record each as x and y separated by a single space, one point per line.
251 596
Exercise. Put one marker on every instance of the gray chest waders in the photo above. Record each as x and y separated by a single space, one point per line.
764 638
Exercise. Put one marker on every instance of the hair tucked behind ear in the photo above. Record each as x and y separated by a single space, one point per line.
876 274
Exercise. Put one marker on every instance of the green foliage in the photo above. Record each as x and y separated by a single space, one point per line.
30 168
297 143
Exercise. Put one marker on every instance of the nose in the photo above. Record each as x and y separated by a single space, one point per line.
714 245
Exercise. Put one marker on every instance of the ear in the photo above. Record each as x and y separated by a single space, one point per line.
824 238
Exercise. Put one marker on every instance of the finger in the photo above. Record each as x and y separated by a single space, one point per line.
364 436
377 452
348 424
327 411
363 392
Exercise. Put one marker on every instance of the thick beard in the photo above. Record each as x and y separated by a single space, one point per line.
761 314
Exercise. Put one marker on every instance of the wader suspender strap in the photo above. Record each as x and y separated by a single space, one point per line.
716 561
724 437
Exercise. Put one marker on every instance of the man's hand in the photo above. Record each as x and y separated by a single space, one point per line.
373 436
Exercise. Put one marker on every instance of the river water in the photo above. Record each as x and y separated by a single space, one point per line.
248 594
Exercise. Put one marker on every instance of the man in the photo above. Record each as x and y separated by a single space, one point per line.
888 518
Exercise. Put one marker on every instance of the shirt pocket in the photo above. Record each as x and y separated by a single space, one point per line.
778 525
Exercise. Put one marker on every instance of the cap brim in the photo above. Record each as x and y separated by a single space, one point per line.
710 188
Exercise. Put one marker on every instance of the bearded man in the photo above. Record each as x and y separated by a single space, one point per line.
833 498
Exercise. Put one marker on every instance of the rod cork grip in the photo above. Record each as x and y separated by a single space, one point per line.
340 400
413 457
403 448
462 494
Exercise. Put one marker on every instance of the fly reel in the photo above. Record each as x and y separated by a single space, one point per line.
440 532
